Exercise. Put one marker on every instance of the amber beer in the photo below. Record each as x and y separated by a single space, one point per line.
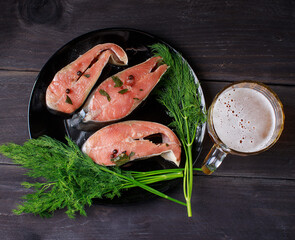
244 118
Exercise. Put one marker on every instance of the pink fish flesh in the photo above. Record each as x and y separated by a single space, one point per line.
72 84
119 95
122 142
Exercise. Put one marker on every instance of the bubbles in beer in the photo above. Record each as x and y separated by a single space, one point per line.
243 119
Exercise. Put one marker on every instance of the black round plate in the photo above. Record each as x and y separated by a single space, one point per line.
41 121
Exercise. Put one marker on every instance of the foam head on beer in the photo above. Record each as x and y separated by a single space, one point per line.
244 119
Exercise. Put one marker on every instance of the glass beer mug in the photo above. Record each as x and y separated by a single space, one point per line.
244 118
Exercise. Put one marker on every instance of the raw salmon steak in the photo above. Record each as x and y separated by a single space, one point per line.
119 95
72 84
122 142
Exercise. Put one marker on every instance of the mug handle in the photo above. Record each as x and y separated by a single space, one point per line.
213 159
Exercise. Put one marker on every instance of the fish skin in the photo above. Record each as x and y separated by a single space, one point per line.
128 136
99 108
80 86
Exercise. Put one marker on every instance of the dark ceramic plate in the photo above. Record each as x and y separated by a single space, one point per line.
43 122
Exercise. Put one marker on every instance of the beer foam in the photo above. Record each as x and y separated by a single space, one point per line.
244 119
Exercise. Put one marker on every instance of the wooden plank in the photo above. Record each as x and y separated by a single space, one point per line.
223 208
15 88
222 40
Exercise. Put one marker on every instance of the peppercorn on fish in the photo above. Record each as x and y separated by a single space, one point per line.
72 84
122 142
119 95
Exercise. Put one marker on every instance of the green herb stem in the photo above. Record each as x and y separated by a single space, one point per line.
158 178
154 179
179 94
144 186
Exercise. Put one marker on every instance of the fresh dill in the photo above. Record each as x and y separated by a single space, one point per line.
179 94
67 178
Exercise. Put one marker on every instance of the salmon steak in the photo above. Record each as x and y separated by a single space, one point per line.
72 84
120 94
126 141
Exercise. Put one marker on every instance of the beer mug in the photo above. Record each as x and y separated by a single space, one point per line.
244 118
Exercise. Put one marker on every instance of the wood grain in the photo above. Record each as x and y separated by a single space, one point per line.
15 89
223 40
223 208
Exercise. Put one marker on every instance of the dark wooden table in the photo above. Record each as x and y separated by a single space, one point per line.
224 41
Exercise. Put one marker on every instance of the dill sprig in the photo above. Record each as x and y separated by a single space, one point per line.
67 178
179 94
